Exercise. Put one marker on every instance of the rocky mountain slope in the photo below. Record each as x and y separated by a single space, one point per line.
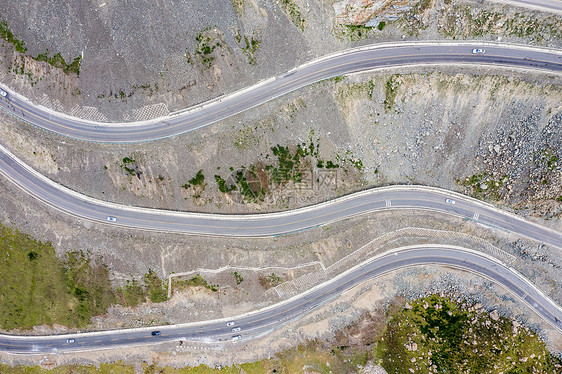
145 59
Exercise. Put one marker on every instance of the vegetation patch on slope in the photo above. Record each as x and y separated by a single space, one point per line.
437 334
195 281
294 14
136 292
285 165
37 288
56 60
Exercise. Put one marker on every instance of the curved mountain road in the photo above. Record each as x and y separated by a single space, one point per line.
260 322
272 224
351 61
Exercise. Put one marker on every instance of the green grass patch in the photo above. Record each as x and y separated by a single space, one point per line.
337 78
247 137
483 186
89 283
8 36
294 14
37 288
132 294
440 333
155 287
331 165
238 6
198 179
130 166
355 32
250 191
288 164
390 92
249 46
269 281
238 277
547 159
223 187
58 61
206 45
195 281
137 292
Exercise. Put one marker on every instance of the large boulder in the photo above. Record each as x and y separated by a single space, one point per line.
370 12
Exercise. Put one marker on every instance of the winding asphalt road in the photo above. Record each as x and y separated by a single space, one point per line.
411 197
260 322
352 61
255 225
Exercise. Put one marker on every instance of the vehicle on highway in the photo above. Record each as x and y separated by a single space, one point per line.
3 93
155 333
231 323
235 338
69 341
111 219
478 51
236 329
450 201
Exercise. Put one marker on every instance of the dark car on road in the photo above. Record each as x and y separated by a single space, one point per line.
155 333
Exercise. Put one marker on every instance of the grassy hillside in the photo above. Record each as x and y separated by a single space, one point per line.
435 334
37 288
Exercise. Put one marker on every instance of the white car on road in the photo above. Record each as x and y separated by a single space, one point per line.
231 323
450 201
111 219
478 51
3 93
